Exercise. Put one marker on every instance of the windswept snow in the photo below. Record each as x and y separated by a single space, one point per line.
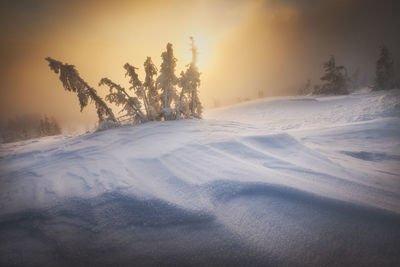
281 181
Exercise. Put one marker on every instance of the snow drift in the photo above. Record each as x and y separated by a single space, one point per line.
305 181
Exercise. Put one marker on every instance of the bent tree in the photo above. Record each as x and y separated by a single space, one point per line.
119 96
72 82
155 99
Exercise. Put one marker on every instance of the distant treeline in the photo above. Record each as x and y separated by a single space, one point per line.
25 127
336 80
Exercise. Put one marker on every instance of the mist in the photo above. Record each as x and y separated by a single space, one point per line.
281 44
199 133
246 46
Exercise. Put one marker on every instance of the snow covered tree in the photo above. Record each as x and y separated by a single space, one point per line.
385 77
182 104
167 81
119 96
72 82
335 79
190 82
137 86
151 89
146 93
156 106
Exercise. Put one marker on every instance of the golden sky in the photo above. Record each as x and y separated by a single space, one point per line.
245 46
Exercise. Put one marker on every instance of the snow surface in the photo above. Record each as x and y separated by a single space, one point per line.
286 181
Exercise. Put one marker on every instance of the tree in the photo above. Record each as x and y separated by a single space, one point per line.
167 81
385 77
151 88
119 96
72 82
137 86
24 127
190 82
156 106
145 92
335 79
49 127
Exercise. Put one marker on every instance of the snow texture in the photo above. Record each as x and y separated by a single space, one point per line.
286 181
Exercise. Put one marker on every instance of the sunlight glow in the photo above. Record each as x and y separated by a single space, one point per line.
205 48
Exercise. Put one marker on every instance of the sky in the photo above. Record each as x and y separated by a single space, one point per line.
245 46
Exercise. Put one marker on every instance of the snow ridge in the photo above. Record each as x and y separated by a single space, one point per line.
277 181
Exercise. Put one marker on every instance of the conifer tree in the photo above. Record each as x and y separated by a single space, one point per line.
48 126
190 82
151 89
137 86
182 104
119 96
384 79
167 81
72 82
335 79
156 106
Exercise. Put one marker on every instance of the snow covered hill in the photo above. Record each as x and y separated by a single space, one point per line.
289 181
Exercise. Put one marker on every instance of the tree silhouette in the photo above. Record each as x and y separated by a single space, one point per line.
137 86
151 88
166 81
335 79
190 82
384 79
119 96
157 105
72 82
